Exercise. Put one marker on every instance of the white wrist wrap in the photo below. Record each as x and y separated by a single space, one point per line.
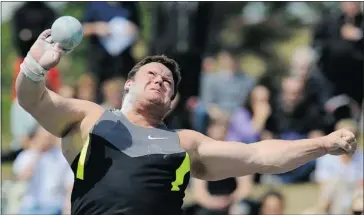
32 70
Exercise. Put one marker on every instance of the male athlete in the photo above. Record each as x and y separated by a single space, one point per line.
126 161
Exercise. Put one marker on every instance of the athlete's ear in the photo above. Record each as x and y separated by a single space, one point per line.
175 101
127 85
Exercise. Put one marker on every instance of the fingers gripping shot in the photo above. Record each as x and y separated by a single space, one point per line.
127 161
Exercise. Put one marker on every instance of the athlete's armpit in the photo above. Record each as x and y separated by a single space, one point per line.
189 142
216 160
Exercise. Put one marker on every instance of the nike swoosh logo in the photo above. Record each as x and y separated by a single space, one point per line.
157 138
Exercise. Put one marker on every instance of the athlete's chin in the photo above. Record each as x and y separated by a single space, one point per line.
152 101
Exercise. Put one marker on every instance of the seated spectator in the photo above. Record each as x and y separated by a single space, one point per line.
112 29
200 121
243 208
248 122
49 177
222 93
294 118
339 176
67 91
215 197
316 87
293 115
272 203
22 127
112 90
86 88
339 41
209 66
342 107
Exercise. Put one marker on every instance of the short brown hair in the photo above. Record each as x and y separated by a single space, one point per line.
167 62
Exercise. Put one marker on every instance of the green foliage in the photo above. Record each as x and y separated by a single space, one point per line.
5 120
146 11
8 56
75 9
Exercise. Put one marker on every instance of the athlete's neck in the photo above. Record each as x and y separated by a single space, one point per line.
140 115
143 119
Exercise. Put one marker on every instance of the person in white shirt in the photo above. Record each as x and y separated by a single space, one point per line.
47 174
340 176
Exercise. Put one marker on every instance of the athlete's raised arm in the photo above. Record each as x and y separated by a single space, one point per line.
53 112
215 160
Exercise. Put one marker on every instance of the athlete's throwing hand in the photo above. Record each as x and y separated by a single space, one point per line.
340 142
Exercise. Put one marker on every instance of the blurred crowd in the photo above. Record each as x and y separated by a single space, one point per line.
322 91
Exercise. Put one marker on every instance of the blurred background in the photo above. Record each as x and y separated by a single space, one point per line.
250 71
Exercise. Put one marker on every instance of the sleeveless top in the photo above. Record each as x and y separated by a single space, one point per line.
125 169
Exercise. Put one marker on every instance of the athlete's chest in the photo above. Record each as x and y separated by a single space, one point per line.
114 169
133 154
137 141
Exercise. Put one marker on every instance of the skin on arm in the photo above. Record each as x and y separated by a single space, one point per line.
53 112
216 160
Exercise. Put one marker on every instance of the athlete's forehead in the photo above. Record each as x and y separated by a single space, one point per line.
157 68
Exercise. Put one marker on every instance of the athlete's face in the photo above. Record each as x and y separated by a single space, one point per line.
153 83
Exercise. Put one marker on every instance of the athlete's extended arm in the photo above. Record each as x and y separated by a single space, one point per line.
52 111
215 160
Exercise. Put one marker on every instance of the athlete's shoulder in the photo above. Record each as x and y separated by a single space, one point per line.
189 139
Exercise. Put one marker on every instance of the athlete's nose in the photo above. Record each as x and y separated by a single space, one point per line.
158 80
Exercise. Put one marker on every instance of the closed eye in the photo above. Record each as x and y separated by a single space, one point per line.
168 81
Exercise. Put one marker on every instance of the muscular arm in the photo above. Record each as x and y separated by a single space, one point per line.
215 160
53 112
